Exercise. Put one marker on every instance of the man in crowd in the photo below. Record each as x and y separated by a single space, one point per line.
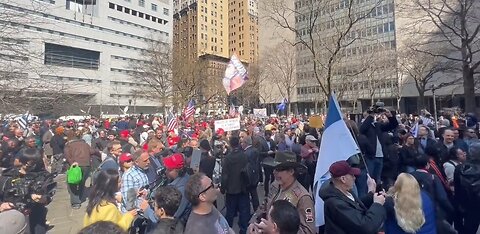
344 211
78 153
309 152
134 182
286 187
467 185
234 185
423 139
253 162
205 218
281 218
373 127
177 173
111 161
167 200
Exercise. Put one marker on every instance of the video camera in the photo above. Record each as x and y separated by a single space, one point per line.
377 108
17 189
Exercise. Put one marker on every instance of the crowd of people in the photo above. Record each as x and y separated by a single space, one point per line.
414 175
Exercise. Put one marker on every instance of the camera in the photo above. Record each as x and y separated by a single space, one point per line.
377 108
17 189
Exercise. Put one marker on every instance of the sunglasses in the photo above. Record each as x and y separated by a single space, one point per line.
208 188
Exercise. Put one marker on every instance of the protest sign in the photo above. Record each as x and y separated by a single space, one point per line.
228 124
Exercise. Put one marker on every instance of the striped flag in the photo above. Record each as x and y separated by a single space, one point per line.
23 121
172 122
189 110
232 112
426 121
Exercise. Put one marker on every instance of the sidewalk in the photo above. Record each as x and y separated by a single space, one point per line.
64 219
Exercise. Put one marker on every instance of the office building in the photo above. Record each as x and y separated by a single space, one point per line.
86 47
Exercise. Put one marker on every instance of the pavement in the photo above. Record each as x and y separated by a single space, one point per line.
66 220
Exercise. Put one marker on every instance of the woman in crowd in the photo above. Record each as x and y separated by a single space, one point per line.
102 202
409 210
408 152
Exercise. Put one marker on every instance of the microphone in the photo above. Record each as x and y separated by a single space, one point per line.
130 201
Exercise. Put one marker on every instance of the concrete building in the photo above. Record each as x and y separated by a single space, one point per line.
243 29
85 46
206 33
366 69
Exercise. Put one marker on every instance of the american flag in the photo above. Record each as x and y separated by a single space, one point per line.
23 121
189 110
172 122
232 112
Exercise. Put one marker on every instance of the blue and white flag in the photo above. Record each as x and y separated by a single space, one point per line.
337 144
283 104
414 130
23 121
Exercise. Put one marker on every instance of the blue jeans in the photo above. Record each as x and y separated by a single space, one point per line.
375 166
238 203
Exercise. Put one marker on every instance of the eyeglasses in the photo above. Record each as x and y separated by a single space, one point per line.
209 187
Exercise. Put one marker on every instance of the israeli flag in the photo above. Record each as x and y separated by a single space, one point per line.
337 144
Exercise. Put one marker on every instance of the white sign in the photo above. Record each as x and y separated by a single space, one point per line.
261 113
228 124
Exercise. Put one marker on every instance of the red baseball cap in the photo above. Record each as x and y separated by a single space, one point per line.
124 133
341 168
125 157
174 161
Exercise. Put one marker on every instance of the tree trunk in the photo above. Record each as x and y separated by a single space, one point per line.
469 89
421 100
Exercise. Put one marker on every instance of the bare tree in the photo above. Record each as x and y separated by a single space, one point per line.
154 68
279 68
314 20
454 26
26 83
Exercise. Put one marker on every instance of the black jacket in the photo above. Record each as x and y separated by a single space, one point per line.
168 226
433 186
232 180
58 144
253 158
373 131
467 186
344 216
207 164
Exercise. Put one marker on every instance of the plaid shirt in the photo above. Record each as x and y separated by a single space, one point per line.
133 178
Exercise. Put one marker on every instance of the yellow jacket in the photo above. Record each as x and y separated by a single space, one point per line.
107 211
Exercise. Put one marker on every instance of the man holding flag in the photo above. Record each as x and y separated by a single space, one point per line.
332 162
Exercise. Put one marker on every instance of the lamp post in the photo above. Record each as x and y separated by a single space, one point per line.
435 107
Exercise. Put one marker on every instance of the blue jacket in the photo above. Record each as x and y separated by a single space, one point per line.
391 226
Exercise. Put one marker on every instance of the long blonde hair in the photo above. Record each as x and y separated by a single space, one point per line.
408 203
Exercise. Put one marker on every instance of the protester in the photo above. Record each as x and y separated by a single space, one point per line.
466 183
205 218
282 218
104 227
234 185
102 205
253 166
78 153
167 201
345 212
177 173
409 210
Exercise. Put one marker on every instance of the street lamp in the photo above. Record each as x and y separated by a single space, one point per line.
434 106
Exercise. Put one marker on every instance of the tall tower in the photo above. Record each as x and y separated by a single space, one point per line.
243 29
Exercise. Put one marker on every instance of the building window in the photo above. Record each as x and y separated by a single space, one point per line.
141 3
66 56
111 5
154 7
165 11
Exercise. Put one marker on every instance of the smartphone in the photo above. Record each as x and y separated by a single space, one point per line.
260 217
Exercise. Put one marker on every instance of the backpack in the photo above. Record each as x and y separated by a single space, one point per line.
99 168
251 172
